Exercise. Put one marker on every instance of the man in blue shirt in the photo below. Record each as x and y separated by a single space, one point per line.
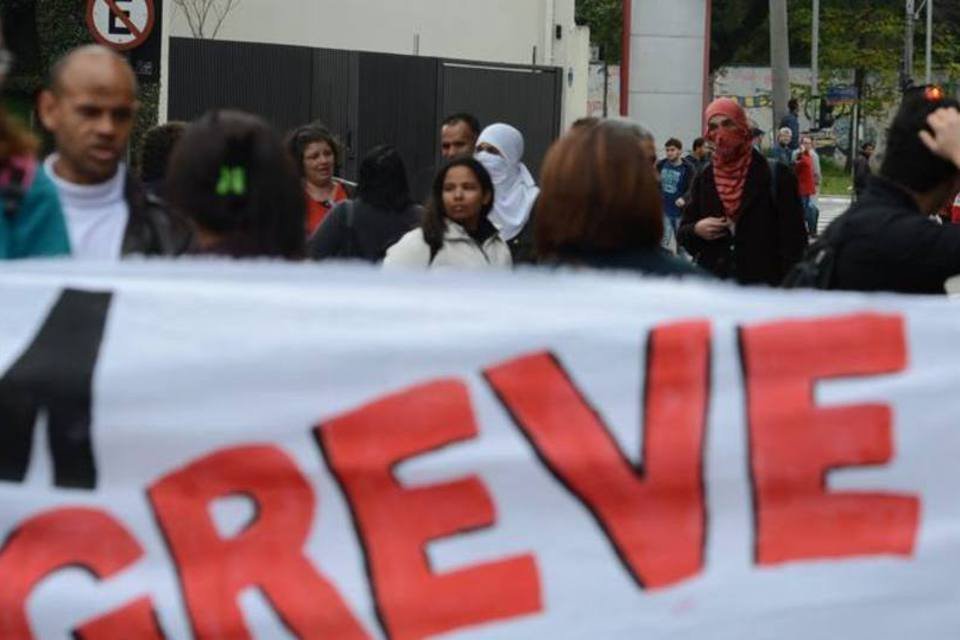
792 121
676 176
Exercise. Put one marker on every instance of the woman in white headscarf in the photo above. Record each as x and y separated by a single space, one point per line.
500 151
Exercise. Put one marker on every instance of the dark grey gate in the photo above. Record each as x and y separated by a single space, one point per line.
366 98
525 97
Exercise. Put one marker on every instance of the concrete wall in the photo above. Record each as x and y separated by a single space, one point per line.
668 66
505 31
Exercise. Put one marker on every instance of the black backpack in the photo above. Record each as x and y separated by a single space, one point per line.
816 269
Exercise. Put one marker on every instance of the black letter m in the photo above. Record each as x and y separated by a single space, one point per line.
55 374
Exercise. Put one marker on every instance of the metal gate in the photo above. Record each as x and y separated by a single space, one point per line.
367 99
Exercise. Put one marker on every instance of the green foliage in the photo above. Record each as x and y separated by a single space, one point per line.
863 37
740 33
605 19
836 180
44 30
61 26
147 117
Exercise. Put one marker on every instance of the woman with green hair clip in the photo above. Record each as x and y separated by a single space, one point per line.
233 178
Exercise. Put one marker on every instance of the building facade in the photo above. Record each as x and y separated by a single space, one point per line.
541 32
667 65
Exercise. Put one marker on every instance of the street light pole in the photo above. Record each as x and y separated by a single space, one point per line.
815 51
779 58
907 74
929 41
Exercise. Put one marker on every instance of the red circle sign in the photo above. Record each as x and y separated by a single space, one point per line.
120 24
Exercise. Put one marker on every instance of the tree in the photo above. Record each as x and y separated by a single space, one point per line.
605 19
205 17
740 34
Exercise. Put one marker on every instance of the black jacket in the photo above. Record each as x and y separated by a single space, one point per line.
655 261
885 243
356 229
861 173
152 229
770 237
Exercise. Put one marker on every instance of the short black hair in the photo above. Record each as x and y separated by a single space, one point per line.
699 142
467 118
382 180
675 143
156 148
299 139
260 211
794 104
908 161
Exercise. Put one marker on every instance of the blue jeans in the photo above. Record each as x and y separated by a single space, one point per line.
811 214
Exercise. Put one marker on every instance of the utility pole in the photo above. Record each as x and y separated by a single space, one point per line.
929 42
779 58
906 78
815 50
815 63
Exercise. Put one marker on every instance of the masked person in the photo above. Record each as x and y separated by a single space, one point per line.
745 220
500 150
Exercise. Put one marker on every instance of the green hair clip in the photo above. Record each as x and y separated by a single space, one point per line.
233 181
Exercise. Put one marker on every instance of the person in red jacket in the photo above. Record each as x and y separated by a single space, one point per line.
807 178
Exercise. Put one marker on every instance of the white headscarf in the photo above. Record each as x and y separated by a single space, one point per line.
515 191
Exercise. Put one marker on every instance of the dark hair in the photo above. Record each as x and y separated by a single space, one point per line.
674 143
302 137
794 104
698 143
585 123
383 179
261 211
908 161
15 139
157 146
868 145
598 193
467 118
434 224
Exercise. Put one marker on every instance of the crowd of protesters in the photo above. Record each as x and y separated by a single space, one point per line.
229 185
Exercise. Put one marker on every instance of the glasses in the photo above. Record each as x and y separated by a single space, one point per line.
6 61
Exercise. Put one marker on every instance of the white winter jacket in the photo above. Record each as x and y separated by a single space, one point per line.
459 251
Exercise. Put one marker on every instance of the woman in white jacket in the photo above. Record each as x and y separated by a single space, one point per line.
456 230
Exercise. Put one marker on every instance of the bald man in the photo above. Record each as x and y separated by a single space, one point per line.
90 108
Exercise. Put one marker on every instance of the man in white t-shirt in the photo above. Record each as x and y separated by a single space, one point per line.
90 109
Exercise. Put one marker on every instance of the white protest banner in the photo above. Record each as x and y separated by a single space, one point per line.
255 450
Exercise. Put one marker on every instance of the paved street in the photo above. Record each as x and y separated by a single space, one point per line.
830 208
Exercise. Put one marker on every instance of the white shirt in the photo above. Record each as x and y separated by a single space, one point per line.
96 215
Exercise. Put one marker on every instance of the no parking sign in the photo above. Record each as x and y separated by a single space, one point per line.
121 24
